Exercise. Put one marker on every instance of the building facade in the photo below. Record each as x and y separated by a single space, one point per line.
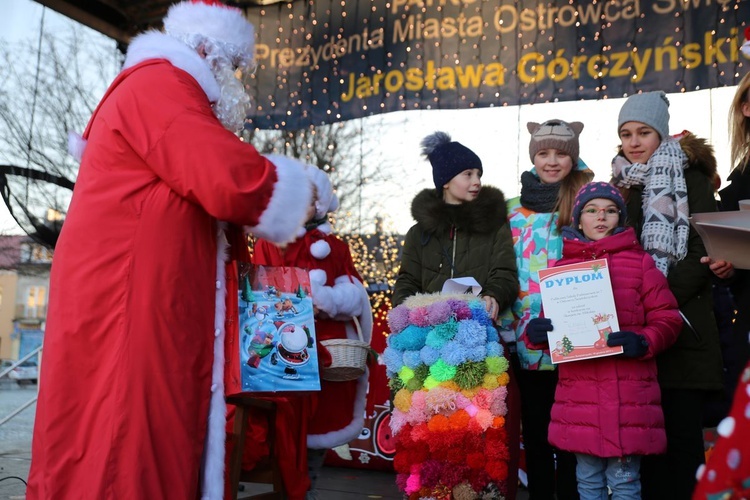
24 289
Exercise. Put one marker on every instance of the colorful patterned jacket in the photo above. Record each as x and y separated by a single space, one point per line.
537 245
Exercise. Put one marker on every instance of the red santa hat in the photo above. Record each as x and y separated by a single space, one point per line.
212 19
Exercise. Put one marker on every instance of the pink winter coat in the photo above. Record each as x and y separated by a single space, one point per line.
611 406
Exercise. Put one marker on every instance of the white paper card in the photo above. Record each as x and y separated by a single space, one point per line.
578 299
462 285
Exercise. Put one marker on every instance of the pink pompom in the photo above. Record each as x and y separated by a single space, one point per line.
483 399
462 401
418 316
413 484
484 418
398 420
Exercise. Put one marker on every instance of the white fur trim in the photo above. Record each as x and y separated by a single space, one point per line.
320 249
325 228
352 430
346 298
220 23
76 145
214 448
287 209
156 45
745 48
318 276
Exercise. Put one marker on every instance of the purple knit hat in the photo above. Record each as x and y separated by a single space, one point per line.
594 190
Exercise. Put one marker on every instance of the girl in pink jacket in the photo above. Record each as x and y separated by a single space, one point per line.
608 410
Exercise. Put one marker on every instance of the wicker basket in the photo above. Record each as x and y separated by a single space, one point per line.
349 357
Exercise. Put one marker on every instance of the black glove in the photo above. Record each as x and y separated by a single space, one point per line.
537 330
633 344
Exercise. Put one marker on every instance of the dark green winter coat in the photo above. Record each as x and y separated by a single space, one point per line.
454 241
694 361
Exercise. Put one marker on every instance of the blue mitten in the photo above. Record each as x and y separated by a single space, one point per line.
537 330
633 344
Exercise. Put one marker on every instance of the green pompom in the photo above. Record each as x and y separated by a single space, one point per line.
442 371
421 372
414 384
405 374
470 374
395 384
497 365
430 382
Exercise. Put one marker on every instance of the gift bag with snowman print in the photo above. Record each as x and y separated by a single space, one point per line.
277 347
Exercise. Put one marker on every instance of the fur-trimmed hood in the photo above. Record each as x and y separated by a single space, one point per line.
484 215
700 153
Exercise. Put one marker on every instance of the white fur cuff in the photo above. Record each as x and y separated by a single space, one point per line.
287 209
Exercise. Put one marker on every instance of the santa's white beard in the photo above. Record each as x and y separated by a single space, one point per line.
233 105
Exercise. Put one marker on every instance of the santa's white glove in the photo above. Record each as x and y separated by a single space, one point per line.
342 299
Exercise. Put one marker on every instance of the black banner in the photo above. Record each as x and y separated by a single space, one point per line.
323 61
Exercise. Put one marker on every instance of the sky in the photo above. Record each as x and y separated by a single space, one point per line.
497 135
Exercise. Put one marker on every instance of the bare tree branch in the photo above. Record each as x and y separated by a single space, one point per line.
39 105
347 152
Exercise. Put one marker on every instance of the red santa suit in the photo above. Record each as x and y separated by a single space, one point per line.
335 415
136 308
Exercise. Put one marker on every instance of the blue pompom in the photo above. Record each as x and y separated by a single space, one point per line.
412 359
471 333
429 355
411 338
454 353
494 349
394 361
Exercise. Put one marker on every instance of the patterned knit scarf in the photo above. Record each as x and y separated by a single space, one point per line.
665 204
540 198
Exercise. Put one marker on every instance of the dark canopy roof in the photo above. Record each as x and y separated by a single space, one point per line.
122 19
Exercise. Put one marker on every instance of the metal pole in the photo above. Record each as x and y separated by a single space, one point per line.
11 367
19 410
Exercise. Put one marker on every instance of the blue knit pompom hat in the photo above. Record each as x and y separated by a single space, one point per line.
594 190
448 158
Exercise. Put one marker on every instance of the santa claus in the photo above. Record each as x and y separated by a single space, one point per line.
133 349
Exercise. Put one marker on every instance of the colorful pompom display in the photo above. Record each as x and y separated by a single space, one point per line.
449 412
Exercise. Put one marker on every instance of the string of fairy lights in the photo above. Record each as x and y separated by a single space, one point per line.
399 54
